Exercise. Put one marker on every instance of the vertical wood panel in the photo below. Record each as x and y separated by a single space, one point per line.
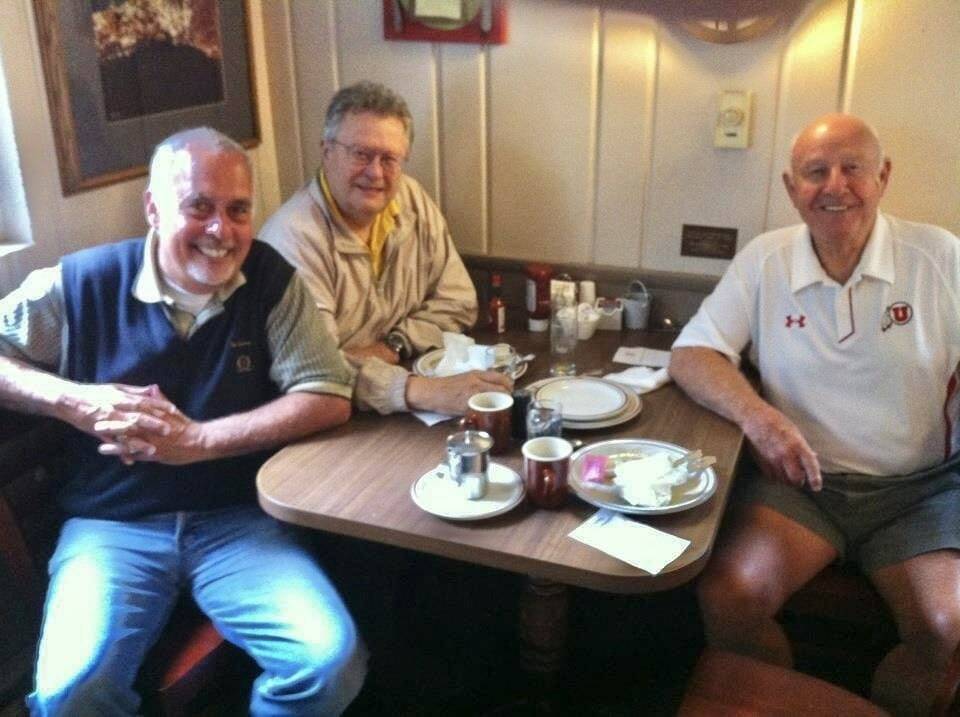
281 82
405 67
912 97
314 52
809 87
627 90
541 119
464 148
692 181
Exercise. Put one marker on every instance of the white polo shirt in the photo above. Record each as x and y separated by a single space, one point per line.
867 370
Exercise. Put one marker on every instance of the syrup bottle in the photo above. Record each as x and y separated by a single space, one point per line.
497 310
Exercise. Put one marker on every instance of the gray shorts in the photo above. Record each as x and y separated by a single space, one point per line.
872 521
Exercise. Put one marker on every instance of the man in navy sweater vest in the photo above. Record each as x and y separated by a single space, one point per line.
181 360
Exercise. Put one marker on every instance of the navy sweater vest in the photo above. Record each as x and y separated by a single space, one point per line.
222 369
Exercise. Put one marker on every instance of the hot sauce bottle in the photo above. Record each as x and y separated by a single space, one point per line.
538 296
497 310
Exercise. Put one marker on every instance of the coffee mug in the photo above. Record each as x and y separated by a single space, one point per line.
546 463
468 457
490 411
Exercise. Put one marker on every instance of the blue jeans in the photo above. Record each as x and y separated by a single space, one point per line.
113 586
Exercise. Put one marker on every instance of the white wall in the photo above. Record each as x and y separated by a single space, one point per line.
587 137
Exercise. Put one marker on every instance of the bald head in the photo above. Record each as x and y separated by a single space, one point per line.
839 130
837 177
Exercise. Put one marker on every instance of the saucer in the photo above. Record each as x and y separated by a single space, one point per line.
438 495
427 364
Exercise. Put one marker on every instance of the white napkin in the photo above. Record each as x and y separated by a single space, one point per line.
640 378
649 481
634 543
462 354
430 418
641 356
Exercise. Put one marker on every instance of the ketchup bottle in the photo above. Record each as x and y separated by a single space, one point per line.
538 296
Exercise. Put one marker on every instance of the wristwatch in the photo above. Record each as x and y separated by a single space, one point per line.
396 342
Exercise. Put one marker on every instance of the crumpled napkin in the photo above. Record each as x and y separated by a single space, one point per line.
640 378
461 354
649 481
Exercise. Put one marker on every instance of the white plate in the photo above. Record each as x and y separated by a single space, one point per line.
584 399
427 364
695 491
630 411
439 496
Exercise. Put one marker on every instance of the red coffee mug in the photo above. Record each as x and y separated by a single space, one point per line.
490 411
546 464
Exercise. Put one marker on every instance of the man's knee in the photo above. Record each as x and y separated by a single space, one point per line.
936 632
733 591
328 651
322 675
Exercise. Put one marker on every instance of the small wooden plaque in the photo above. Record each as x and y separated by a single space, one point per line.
709 242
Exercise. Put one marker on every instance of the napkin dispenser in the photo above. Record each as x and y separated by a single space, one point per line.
611 314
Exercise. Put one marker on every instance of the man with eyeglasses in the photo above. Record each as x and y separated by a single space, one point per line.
375 251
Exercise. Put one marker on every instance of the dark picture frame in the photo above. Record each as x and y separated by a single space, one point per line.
104 131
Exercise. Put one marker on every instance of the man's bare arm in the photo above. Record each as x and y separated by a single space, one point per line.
713 381
32 390
378 349
449 394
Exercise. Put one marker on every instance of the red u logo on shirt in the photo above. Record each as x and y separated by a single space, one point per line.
799 321
899 313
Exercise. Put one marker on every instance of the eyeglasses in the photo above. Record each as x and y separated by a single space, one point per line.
363 157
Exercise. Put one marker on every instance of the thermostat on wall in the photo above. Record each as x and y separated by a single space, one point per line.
733 120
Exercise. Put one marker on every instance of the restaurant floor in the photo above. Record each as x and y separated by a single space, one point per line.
443 639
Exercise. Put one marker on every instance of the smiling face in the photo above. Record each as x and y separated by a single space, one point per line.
362 190
837 177
202 214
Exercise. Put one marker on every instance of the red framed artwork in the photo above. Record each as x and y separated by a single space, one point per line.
469 21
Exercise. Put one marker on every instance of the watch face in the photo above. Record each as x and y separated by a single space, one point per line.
395 343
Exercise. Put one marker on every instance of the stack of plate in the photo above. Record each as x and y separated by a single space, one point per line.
589 402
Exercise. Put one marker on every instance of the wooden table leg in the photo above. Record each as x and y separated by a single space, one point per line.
543 630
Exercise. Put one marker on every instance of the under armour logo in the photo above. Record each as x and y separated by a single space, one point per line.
792 320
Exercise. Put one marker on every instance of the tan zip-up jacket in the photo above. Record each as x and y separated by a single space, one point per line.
423 291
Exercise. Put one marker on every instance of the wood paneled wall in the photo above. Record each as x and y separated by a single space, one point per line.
588 137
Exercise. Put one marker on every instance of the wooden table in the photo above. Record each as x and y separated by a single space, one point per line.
356 481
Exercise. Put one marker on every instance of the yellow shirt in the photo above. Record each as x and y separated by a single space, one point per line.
383 224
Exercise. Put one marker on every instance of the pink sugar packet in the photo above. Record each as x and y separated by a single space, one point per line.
594 469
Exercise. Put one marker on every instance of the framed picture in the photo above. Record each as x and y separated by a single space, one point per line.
124 74
473 21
